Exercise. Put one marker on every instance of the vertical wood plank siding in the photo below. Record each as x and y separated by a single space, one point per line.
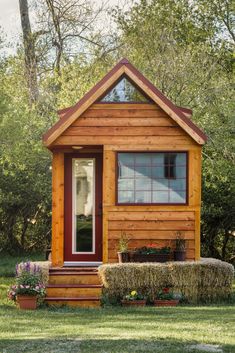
136 127
58 209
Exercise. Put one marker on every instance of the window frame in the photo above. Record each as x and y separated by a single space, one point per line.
186 203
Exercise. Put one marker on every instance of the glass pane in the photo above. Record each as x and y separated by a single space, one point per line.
143 184
157 158
177 184
142 172
160 196
124 91
126 184
83 176
158 172
126 158
160 184
143 197
126 196
180 172
143 159
126 171
181 159
177 197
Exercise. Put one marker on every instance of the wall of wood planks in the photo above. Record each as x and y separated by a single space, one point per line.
139 127
58 209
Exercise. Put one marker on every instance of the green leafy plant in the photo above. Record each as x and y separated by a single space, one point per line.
180 242
134 295
165 294
153 249
28 282
123 243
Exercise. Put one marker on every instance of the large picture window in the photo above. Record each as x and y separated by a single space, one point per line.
152 178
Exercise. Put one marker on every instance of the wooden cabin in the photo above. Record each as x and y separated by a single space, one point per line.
125 160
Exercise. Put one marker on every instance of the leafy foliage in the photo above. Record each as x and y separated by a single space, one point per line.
28 282
185 48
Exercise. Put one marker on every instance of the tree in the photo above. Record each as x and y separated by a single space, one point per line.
69 29
186 49
29 50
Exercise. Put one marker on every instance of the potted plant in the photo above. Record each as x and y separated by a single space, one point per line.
166 297
152 253
28 289
123 253
180 247
133 299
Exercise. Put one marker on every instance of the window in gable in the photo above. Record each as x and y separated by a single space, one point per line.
124 91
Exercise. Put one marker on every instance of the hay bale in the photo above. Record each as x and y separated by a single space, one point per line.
206 280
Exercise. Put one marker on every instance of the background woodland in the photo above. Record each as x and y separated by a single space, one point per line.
185 47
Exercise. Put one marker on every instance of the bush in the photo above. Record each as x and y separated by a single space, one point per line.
208 280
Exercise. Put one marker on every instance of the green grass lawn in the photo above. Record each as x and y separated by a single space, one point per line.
114 330
8 263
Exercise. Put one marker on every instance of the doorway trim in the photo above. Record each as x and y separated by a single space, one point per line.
82 259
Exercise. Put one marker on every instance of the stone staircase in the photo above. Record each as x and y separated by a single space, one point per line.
74 286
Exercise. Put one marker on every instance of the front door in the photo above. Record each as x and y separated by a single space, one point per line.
83 209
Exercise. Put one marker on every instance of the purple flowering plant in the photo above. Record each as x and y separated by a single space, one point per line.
28 281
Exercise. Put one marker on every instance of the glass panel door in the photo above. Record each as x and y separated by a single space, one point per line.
83 205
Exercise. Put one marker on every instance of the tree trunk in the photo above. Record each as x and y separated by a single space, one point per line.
29 50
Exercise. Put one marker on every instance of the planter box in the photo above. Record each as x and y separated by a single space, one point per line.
133 302
161 302
150 257
27 302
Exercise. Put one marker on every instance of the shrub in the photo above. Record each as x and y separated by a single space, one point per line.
208 280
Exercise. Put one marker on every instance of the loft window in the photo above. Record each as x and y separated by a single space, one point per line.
152 178
124 91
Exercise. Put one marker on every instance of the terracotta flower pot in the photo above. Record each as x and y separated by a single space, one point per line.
123 257
27 302
133 302
163 302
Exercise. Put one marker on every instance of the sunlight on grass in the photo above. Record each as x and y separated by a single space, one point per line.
113 329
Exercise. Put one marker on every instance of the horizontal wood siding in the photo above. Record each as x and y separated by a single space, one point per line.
126 123
139 127
157 227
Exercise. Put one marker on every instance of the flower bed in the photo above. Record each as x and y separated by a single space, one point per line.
208 280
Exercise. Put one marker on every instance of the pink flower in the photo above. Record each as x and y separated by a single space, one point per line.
27 286
37 287
21 286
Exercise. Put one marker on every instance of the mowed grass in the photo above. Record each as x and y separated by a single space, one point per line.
8 263
114 329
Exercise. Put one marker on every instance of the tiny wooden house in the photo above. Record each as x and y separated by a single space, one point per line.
125 160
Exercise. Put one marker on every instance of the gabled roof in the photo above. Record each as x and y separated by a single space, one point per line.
178 114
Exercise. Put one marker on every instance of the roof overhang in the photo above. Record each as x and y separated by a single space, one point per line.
178 114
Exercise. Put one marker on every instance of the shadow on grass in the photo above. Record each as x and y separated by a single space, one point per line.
111 345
